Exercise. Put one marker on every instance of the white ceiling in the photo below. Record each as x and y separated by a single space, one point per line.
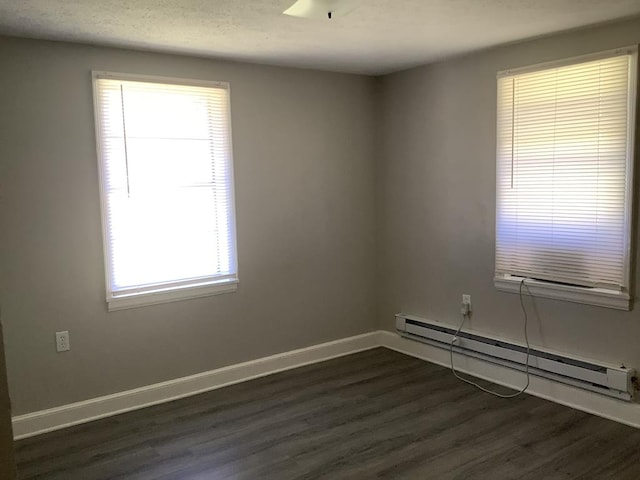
378 37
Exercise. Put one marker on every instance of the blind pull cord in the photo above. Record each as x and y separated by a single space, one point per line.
124 131
513 124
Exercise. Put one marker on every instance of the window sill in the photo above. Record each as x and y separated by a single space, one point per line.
135 300
590 296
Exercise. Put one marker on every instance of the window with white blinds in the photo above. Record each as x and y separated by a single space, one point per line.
165 161
564 171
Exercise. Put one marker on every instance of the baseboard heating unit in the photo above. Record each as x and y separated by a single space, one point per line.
614 381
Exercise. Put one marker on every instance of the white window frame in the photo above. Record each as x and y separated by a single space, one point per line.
603 297
172 291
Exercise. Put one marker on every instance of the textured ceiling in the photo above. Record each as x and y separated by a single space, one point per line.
378 37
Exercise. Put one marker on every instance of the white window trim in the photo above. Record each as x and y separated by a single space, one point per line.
620 300
173 293
569 61
134 300
600 297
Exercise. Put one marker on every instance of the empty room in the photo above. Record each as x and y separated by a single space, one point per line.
319 239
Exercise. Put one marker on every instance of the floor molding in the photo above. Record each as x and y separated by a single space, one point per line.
43 421
590 402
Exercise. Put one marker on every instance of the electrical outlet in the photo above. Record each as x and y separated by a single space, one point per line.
466 300
62 341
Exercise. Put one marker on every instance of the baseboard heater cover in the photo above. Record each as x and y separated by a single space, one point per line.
614 381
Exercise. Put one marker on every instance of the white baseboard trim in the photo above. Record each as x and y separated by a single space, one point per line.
43 421
590 402
57 418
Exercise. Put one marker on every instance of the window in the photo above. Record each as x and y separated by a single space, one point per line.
564 178
166 178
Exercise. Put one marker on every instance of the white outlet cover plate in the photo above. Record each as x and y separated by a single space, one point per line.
62 341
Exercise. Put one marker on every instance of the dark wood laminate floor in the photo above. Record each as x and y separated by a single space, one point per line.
375 414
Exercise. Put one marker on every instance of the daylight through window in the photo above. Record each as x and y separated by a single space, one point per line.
564 168
167 189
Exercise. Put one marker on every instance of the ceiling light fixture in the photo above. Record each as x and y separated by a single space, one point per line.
320 9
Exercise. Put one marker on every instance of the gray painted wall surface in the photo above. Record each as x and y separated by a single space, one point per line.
303 147
436 202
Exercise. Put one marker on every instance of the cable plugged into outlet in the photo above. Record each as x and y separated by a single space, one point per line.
465 309
62 341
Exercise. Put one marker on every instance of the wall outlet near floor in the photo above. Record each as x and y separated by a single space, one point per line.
62 341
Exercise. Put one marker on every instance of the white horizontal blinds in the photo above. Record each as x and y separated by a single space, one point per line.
167 184
562 157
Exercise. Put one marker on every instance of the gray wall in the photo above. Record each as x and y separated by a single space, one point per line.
303 148
436 202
